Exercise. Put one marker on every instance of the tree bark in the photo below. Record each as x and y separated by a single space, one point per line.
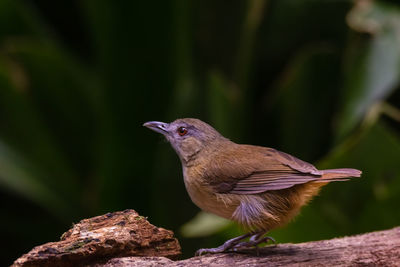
98 239
380 248
126 239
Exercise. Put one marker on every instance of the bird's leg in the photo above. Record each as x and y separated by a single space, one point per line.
254 241
224 247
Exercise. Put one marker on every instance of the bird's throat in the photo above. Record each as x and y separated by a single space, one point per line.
189 150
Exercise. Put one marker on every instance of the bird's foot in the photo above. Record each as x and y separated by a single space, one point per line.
224 247
203 251
254 241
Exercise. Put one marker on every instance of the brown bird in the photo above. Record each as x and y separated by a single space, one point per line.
258 187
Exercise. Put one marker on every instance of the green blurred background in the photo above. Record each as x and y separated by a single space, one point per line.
318 79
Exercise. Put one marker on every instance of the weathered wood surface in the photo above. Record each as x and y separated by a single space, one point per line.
127 239
117 234
373 249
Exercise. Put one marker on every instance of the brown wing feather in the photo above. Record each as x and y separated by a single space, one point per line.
295 163
258 169
261 182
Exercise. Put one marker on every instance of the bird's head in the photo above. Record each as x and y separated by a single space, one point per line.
187 136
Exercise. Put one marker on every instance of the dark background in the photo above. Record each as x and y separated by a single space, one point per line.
318 79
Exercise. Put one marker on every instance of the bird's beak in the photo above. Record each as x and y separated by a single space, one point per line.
157 126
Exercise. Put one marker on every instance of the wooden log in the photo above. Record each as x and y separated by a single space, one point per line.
127 239
117 234
380 248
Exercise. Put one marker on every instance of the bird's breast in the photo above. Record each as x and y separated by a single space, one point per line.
205 198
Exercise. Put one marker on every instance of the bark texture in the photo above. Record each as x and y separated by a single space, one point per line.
127 239
372 249
100 238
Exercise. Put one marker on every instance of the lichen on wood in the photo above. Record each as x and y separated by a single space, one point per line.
117 234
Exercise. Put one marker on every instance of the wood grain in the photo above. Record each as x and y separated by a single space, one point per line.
372 249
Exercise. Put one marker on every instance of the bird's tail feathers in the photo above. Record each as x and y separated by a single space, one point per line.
332 175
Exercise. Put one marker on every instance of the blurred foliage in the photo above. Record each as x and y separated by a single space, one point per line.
318 79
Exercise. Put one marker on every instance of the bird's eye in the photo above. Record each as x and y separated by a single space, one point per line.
182 131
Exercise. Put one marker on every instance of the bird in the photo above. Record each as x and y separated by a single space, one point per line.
260 188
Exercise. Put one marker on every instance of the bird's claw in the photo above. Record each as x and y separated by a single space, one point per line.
253 243
208 250
235 244
224 247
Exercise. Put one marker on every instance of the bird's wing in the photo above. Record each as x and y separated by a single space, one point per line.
261 181
293 162
255 170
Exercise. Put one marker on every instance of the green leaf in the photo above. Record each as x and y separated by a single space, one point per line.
204 224
373 69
